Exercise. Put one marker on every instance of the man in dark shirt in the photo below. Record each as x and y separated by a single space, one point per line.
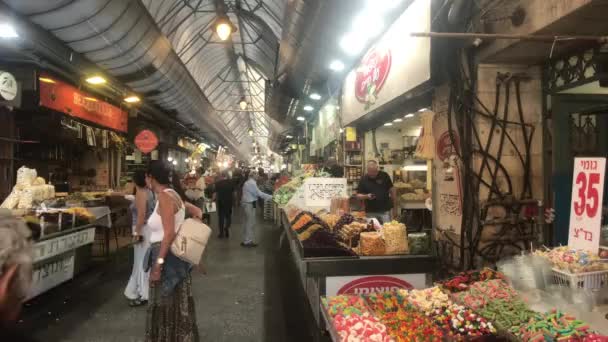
223 194
376 188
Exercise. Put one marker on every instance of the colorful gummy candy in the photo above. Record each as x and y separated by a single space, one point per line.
507 315
429 299
345 305
552 326
463 280
481 293
462 322
364 328
403 321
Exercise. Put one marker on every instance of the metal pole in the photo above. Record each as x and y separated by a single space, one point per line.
543 38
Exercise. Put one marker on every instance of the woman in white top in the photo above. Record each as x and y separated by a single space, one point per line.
171 316
141 209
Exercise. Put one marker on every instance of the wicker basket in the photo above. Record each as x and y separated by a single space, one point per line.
587 280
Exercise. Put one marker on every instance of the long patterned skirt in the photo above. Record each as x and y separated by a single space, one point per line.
172 318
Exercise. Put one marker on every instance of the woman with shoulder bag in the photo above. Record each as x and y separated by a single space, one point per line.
171 315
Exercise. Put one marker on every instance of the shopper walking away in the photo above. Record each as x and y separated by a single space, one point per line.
376 188
223 194
251 193
16 257
141 209
171 316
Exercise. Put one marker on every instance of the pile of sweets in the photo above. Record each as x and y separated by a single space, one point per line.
428 300
463 280
507 315
552 326
573 260
483 292
461 322
353 321
404 322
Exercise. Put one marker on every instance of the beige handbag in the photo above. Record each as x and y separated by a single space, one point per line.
191 240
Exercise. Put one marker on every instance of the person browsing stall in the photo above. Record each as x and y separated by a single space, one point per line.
251 193
376 189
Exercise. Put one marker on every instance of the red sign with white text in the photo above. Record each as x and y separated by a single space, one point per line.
372 74
373 284
586 208
146 141
67 99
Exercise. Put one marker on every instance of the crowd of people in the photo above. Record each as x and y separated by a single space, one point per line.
160 202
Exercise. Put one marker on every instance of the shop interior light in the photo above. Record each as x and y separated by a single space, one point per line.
289 136
132 99
250 132
388 124
315 96
415 167
96 80
341 130
301 118
398 120
170 159
224 27
92 99
8 31
175 162
410 115
46 80
336 65
187 160
309 108
423 110
225 164
367 25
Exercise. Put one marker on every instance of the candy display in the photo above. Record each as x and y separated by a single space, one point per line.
483 292
330 219
395 236
344 305
463 280
573 261
428 300
462 322
364 328
552 326
351 231
507 315
403 321
28 190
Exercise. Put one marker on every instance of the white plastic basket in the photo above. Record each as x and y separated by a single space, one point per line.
588 280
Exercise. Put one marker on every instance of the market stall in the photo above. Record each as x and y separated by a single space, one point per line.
337 251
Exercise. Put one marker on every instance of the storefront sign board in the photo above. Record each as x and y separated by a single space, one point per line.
318 192
359 285
146 141
586 204
351 134
395 65
67 99
52 247
49 275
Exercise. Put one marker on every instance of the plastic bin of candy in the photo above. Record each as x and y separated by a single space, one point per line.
587 280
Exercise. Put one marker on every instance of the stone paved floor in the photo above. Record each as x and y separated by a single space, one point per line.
242 298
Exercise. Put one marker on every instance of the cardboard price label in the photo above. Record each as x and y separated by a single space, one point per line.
586 204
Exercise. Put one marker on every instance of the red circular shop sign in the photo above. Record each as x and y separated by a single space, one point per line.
372 74
146 141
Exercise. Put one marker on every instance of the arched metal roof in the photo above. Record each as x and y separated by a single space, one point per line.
191 72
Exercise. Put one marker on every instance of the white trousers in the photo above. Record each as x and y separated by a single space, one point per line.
249 224
139 283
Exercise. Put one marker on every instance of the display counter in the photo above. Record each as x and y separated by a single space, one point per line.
326 276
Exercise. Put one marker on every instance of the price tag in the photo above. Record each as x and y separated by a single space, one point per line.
586 206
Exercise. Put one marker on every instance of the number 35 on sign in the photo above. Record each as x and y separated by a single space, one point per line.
586 206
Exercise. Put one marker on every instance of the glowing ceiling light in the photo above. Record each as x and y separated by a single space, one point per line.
92 99
8 31
224 27
388 124
243 103
308 108
301 118
96 80
250 132
397 120
46 80
410 115
315 96
422 110
336 65
368 24
170 159
175 162
289 136
352 43
132 99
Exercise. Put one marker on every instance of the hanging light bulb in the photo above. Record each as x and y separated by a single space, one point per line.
224 27
250 132
243 103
